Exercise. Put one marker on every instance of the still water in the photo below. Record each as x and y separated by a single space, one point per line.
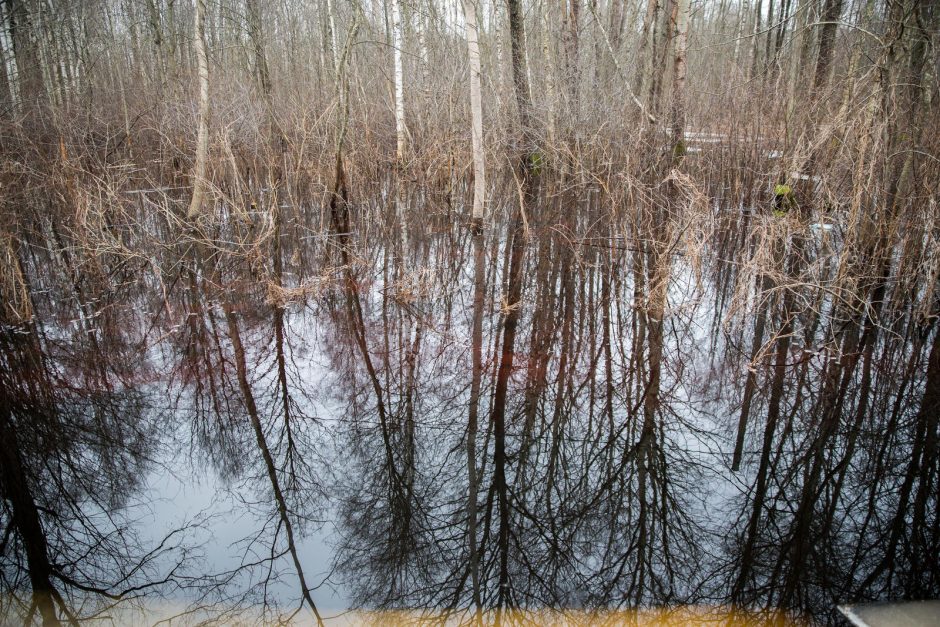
688 419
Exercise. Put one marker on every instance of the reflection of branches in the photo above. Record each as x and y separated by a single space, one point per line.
71 455
771 302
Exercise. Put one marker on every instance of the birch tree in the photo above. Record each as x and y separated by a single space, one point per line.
202 137
401 132
479 287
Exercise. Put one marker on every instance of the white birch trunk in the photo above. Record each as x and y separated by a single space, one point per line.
331 16
476 110
202 136
400 130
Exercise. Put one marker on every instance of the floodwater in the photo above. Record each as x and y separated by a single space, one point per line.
725 416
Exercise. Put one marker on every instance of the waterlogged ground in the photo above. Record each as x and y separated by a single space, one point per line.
724 410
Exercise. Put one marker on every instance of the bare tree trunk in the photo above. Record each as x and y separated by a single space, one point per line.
397 42
156 33
616 24
646 54
479 290
171 39
520 72
800 36
331 36
29 68
662 38
8 94
549 61
683 7
827 37
476 114
755 44
572 56
739 33
401 131
202 138
257 41
781 30
768 38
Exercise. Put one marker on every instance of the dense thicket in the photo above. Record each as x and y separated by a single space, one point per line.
703 366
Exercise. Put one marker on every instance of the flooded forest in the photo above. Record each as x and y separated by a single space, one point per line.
468 311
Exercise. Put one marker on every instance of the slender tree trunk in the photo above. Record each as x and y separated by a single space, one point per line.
616 24
397 44
827 37
30 83
8 94
571 37
646 54
257 41
768 38
781 31
171 40
202 138
332 42
520 71
755 44
476 114
479 290
796 52
739 33
401 131
683 7
548 59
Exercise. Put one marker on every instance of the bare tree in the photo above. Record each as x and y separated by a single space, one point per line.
479 285
202 137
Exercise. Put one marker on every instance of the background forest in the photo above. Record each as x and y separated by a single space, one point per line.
532 304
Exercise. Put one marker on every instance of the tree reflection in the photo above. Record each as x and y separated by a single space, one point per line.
685 353
79 433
